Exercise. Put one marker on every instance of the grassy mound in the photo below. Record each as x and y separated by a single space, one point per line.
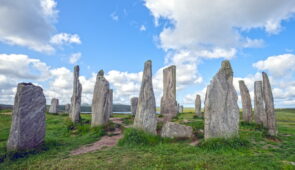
224 144
135 137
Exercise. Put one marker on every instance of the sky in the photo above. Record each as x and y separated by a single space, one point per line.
42 40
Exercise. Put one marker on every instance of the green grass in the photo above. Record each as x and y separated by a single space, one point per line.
253 149
5 111
61 138
134 137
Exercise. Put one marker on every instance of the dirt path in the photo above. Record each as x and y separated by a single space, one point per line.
106 141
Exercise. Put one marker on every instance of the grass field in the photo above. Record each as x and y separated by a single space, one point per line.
253 150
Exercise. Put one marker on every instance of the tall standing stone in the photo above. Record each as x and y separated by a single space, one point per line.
269 106
168 101
246 102
110 103
28 119
133 105
259 111
221 107
145 117
53 106
76 97
100 101
67 108
198 106
180 109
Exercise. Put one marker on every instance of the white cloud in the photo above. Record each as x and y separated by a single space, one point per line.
74 58
114 16
20 66
197 29
28 23
16 68
65 38
189 99
125 85
218 53
142 28
279 66
205 24
186 68
49 7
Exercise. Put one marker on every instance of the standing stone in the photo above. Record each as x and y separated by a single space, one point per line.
198 106
28 119
100 101
133 106
76 97
269 106
110 103
180 109
222 111
168 101
67 108
145 117
246 102
259 111
53 106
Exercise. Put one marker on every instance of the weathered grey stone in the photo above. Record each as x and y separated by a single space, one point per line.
198 106
174 130
67 108
269 106
133 105
221 107
53 106
180 109
246 102
110 103
28 118
259 111
76 97
145 117
100 101
168 101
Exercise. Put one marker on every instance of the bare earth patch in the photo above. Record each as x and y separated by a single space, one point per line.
106 141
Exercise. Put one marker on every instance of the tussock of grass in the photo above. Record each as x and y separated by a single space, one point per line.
224 144
128 120
135 137
159 127
252 126
5 110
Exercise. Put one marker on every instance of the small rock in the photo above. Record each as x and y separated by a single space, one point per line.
174 130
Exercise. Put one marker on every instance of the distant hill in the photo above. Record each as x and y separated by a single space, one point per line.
4 106
116 107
